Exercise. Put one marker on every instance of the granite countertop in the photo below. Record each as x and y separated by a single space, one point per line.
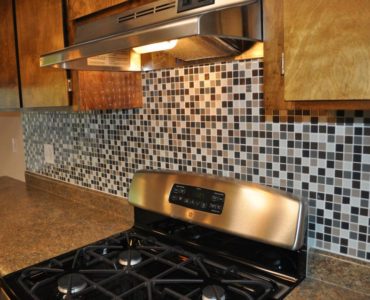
332 277
36 225
318 290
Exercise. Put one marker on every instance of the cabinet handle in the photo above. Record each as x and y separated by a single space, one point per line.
69 85
282 64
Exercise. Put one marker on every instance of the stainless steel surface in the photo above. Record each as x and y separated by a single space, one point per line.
213 292
71 283
226 25
250 210
132 257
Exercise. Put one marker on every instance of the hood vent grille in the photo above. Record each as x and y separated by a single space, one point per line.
165 6
147 11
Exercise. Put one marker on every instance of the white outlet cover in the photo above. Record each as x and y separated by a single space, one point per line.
49 157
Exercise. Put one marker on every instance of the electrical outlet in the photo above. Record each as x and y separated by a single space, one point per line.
49 157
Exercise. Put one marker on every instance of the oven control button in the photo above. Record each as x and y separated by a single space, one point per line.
217 197
216 208
178 189
174 197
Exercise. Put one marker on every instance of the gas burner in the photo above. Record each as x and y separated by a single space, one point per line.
213 292
131 257
72 283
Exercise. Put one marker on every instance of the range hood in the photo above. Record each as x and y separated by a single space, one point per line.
163 34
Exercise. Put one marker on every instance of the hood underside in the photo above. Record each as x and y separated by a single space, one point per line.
220 30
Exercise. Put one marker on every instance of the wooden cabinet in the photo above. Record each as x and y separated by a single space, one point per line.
81 8
317 54
40 30
9 91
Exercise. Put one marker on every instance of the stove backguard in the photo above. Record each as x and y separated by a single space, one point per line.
240 208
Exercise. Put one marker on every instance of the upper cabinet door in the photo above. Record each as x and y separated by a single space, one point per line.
317 54
9 92
40 30
327 49
81 8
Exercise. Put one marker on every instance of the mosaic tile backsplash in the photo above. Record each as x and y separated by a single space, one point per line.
210 119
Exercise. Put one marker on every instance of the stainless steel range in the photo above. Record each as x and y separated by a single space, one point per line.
195 237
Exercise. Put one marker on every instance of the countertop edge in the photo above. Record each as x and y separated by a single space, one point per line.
338 270
111 204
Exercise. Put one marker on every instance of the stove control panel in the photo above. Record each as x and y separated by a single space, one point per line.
197 198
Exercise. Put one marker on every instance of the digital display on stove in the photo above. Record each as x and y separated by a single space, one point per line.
198 195
197 198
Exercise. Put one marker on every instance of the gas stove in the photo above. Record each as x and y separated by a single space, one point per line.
187 243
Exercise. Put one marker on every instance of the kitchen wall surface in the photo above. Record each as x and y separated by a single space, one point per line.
210 119
12 162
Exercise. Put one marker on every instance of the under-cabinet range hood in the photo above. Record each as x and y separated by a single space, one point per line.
163 34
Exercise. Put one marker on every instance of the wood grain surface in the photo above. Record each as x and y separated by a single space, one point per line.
9 93
274 82
111 90
78 8
40 30
327 49
273 47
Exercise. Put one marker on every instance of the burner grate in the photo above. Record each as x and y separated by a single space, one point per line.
164 272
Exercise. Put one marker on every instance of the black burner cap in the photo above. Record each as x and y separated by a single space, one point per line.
133 255
72 283
213 292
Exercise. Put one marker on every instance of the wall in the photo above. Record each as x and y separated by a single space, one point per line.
210 119
12 161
